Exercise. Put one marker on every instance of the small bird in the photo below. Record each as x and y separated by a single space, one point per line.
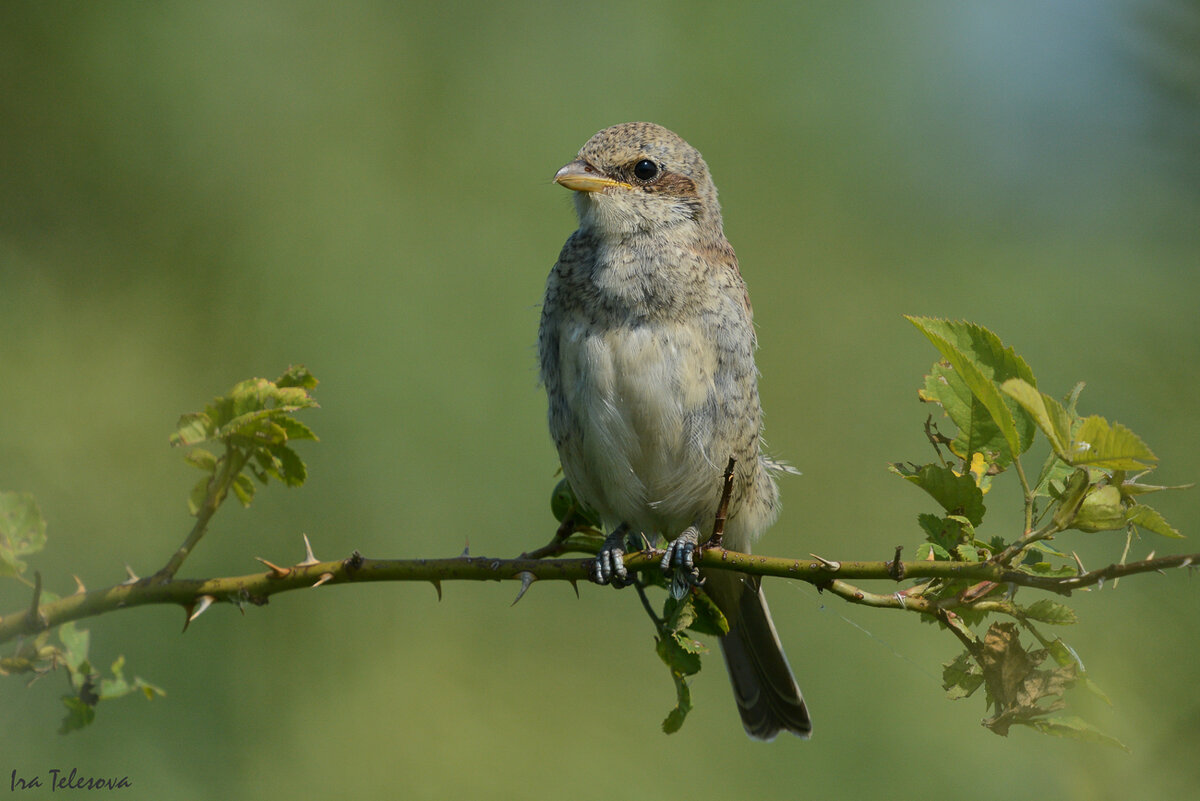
646 346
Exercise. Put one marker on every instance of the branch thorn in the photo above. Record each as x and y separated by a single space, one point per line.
79 588
896 567
195 610
133 577
466 549
276 571
437 585
324 578
828 564
575 586
309 559
527 579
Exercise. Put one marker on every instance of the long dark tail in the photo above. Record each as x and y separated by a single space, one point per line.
768 697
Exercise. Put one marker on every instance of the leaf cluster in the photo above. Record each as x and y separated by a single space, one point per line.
254 424
991 398
23 534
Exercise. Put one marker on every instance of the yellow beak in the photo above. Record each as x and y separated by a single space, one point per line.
582 177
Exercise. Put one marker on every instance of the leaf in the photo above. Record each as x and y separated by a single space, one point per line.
1018 689
679 613
957 494
295 429
198 457
676 657
977 431
243 489
1075 728
297 376
198 495
79 714
961 677
1148 518
927 549
709 618
683 705
75 642
1131 488
982 360
967 553
945 533
191 429
1047 413
22 531
1051 612
689 645
1098 443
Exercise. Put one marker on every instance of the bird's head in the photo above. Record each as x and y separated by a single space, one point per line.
639 177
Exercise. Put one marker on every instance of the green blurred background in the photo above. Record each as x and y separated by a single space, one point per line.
196 193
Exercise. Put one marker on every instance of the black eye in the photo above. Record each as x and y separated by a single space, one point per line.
645 170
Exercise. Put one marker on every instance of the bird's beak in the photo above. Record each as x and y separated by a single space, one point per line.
583 177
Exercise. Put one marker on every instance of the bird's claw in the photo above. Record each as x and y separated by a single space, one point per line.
609 567
680 562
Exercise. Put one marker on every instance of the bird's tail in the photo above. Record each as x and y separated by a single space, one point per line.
766 691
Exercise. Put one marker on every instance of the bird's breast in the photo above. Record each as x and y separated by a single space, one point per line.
642 402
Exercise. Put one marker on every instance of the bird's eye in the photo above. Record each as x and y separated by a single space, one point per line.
645 170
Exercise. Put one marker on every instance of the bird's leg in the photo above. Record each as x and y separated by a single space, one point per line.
679 558
609 567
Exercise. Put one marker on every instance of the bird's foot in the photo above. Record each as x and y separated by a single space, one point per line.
609 567
679 561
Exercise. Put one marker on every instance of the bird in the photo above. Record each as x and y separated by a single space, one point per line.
646 347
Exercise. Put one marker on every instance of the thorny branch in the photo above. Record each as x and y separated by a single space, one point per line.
197 595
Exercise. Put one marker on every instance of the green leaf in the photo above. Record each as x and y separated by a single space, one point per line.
192 428
678 613
958 495
205 460
977 431
1098 443
1074 727
1051 612
243 488
1131 488
683 705
982 360
967 553
676 657
22 531
79 714
1145 517
709 618
691 646
75 644
297 376
295 429
1047 413
290 467
961 677
943 532
926 549
197 496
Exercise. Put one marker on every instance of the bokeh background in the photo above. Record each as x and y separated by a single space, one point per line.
196 193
